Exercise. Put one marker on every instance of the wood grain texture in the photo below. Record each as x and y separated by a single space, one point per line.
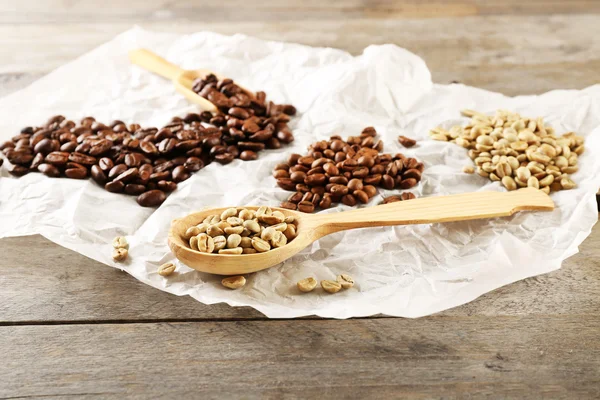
44 283
436 357
510 54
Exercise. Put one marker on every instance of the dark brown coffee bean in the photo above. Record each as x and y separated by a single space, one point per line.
286 184
349 164
148 148
280 173
261 136
248 155
239 112
316 199
105 164
340 180
369 131
299 167
7 145
68 147
283 166
151 198
296 197
117 170
167 145
317 170
114 186
391 170
57 158
287 205
320 190
298 176
307 196
160 176
330 169
349 200
76 173
134 189
193 164
83 147
224 158
370 190
360 172
49 170
19 157
82 159
301 187
37 160
315 179
377 169
166 186
250 126
339 190
165 166
134 159
98 175
285 136
361 196
406 142
412 173
45 146
408 183
366 161
306 161
355 184
128 175
180 174
387 182
306 207
100 147
17 170
293 159
325 202
254 146
378 145
372 179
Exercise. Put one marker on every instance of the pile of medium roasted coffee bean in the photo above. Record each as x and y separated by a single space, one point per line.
248 117
348 171
145 162
517 151
242 231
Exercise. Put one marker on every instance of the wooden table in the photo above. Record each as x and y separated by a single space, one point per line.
73 328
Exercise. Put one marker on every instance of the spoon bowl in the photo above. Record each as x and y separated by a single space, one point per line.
311 227
182 79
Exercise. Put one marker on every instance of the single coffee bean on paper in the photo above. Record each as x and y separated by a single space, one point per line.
516 151
242 231
347 171
150 162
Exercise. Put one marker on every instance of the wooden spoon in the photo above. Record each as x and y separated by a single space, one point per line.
182 79
311 227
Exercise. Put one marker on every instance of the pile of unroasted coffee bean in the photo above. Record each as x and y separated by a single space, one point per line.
517 151
247 116
348 171
145 162
242 231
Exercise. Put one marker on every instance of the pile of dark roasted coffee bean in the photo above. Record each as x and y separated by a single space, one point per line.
247 116
148 162
348 171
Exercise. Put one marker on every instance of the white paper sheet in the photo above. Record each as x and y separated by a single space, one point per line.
407 271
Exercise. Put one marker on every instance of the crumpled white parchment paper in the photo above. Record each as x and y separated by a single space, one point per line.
407 271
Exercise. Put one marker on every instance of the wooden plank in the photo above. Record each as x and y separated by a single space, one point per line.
41 281
87 11
441 357
482 51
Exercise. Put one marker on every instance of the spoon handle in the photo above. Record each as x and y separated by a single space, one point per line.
429 210
154 63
